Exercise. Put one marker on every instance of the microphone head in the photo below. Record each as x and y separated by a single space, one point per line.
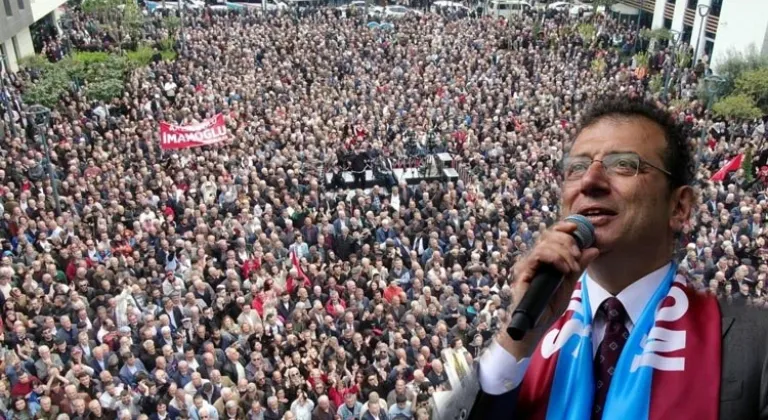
584 233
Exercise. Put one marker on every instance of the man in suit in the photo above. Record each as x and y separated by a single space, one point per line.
164 412
233 368
103 360
628 171
131 369
174 313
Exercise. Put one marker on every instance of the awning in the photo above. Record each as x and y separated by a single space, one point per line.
623 9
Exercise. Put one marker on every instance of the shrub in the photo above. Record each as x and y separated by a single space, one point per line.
737 106
141 57
89 58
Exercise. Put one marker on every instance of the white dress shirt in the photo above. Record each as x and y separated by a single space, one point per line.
500 372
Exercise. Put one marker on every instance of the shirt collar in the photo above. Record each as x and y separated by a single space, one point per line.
634 297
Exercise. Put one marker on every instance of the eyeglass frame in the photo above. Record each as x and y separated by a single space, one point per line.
640 160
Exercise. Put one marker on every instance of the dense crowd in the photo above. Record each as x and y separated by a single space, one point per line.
233 282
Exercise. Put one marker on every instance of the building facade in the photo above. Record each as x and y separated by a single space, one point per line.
715 28
16 17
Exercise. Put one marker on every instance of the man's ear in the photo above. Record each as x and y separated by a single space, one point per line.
681 205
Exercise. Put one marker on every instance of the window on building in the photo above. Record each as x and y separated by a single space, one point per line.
709 45
21 4
667 23
686 37
16 50
692 4
8 10
715 7
4 63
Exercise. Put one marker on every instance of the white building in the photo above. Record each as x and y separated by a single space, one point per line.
716 27
16 16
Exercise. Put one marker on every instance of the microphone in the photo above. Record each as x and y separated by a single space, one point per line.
545 282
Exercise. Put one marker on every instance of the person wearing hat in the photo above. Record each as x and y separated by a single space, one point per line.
478 280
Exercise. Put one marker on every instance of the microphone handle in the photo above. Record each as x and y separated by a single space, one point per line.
543 285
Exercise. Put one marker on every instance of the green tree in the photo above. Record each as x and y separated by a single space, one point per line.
37 64
679 104
104 90
656 83
683 58
755 84
587 32
102 10
141 57
747 165
74 69
118 17
737 63
739 106
642 59
660 34
598 66
172 23
47 90
132 20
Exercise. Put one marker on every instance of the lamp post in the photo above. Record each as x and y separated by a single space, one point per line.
676 36
639 15
40 117
4 94
65 25
181 28
712 85
703 11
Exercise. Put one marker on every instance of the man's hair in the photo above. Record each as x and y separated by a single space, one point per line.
678 157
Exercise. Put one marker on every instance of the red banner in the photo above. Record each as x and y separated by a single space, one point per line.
205 133
732 165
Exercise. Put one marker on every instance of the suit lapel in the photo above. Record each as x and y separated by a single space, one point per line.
726 324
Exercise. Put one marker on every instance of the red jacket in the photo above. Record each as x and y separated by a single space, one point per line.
331 309
258 305
337 396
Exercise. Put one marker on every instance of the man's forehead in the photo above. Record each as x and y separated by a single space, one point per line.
617 135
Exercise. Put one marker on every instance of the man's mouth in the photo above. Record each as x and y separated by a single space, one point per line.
598 215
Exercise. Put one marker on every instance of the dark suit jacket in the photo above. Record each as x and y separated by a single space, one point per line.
230 370
284 312
172 414
744 372
97 368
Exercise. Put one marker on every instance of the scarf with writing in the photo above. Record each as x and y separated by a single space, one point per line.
669 367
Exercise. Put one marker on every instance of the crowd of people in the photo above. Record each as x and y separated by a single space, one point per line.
234 282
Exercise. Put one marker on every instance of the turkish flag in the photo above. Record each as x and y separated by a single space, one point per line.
303 280
732 165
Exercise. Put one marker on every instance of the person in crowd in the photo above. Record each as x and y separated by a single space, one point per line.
268 276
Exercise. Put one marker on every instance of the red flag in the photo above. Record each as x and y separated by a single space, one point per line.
297 266
731 166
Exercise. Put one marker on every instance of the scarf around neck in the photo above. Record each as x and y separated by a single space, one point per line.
672 354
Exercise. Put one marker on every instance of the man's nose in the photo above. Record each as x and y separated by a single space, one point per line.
596 180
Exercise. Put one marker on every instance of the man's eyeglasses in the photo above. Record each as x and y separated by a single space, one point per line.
621 164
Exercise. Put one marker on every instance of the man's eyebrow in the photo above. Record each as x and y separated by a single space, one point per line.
613 152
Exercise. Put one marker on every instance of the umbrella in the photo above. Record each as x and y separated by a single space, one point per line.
373 25
386 26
